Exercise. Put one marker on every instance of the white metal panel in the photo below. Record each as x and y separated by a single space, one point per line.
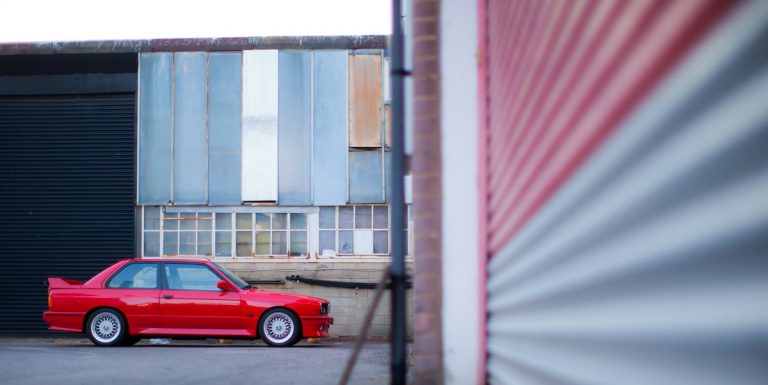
363 241
650 265
260 95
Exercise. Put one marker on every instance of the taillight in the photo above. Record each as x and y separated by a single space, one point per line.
50 302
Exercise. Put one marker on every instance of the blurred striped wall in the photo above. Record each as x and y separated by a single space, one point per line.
626 192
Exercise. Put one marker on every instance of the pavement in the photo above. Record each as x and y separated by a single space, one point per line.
76 361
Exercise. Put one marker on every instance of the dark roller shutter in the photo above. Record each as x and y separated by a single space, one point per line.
66 196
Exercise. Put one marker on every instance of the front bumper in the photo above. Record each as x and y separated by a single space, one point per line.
314 326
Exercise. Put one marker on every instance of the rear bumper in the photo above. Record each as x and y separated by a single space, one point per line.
315 326
65 321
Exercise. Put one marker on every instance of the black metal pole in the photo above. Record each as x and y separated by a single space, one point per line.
397 268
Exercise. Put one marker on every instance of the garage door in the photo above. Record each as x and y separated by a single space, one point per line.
66 196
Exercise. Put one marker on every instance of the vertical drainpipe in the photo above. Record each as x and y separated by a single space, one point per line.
397 268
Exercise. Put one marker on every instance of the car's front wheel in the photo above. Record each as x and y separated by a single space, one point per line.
106 327
280 327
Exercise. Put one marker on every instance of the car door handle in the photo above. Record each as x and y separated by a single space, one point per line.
167 296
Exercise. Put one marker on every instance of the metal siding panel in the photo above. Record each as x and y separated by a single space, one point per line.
365 181
294 129
224 114
67 196
330 101
643 266
155 128
260 95
190 147
365 100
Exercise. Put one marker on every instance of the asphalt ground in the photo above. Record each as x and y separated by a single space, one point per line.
209 362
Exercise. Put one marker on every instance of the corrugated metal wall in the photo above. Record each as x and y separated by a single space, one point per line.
66 196
627 182
291 127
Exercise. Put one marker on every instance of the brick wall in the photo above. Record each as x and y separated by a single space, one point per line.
348 306
426 166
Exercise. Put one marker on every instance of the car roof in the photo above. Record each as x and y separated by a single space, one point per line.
169 259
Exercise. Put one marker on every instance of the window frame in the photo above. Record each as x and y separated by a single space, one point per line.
164 277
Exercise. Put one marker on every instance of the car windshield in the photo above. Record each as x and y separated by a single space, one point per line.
232 277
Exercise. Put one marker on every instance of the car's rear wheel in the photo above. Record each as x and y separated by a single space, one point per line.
106 327
280 327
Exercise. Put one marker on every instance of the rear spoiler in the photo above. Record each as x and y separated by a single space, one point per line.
63 283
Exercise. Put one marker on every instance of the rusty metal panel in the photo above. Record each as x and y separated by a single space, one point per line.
260 94
190 146
330 100
365 100
365 177
224 121
294 128
155 128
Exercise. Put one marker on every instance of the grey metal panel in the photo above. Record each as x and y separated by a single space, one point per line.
224 117
330 103
650 265
294 128
260 94
365 180
155 128
190 147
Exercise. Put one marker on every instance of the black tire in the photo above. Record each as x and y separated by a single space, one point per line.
130 341
280 328
106 327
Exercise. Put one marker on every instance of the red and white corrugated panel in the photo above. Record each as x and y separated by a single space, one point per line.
625 184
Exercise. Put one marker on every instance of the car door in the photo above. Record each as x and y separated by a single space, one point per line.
135 290
190 299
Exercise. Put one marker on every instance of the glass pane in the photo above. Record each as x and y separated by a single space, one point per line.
204 221
243 247
223 221
204 243
135 276
346 242
223 244
279 243
262 222
171 221
151 244
243 221
298 243
363 217
346 217
187 221
187 243
224 128
155 128
380 217
279 221
327 217
298 221
380 242
151 218
171 243
262 243
327 241
191 277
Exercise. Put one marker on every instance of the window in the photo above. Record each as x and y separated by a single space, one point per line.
135 276
227 234
361 230
190 276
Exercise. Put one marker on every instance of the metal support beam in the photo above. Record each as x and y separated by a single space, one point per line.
397 269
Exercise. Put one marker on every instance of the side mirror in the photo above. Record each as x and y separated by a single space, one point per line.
224 286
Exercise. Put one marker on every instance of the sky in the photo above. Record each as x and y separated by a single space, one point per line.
78 20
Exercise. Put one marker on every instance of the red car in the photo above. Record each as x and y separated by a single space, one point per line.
140 298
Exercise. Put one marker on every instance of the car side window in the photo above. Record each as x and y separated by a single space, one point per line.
189 276
135 276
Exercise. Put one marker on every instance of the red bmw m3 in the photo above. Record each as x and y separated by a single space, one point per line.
140 298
